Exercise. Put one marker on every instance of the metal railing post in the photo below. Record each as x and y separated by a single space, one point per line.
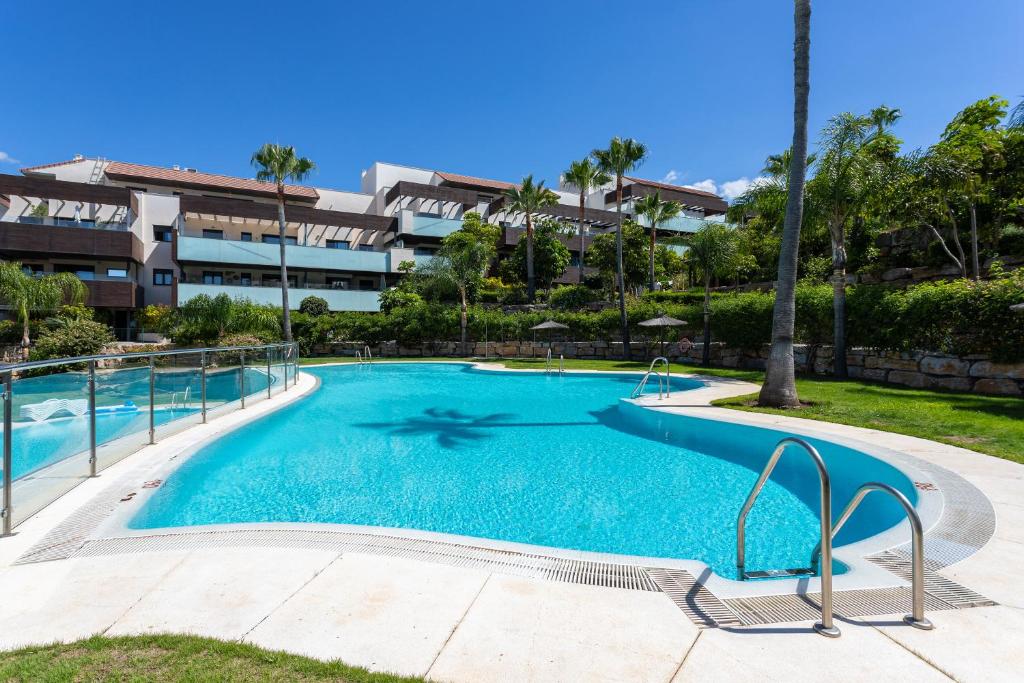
7 511
270 369
284 365
241 377
202 382
152 399
92 418
295 373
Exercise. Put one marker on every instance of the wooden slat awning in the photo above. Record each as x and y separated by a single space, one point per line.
593 216
240 208
405 188
48 188
711 205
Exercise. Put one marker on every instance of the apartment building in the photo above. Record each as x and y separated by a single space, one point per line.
138 234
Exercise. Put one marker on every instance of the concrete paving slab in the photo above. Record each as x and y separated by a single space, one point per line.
994 571
968 644
792 653
382 613
71 599
530 630
222 593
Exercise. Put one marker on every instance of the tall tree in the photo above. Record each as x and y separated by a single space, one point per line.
656 212
26 294
621 157
528 199
550 256
586 177
712 252
779 388
279 164
847 173
459 264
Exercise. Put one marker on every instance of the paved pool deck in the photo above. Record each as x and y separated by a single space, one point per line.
453 623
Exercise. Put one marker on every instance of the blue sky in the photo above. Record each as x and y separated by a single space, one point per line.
490 89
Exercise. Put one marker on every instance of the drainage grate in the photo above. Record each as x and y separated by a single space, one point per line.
775 609
936 585
696 601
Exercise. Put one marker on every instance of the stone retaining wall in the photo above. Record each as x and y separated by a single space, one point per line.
920 369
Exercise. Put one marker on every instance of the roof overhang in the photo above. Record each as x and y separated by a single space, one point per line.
294 213
48 188
710 204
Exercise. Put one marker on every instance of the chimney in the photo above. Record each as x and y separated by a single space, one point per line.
176 167
79 157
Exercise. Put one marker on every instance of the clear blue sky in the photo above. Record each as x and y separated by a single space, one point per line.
483 88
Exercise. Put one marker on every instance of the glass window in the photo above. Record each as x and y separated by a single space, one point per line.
271 238
117 272
337 244
338 283
162 277
245 279
366 247
81 272
247 237
367 285
423 251
213 277
211 234
33 269
162 233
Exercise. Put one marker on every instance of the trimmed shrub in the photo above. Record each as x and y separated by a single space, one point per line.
571 297
314 305
72 338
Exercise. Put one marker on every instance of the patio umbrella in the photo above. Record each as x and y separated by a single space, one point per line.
548 325
661 322
1017 308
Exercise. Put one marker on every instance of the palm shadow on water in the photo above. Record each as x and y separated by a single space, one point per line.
454 428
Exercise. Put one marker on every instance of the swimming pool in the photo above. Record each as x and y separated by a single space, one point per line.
548 460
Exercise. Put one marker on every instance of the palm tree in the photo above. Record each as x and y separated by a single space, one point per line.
586 177
529 198
712 252
779 388
278 164
460 264
621 157
656 211
210 318
27 295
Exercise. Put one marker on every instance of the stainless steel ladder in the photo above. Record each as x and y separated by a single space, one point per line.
664 384
825 627
364 356
916 618
548 363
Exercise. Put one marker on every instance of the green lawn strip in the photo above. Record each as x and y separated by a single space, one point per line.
988 424
173 658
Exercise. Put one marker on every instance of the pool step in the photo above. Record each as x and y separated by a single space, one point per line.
779 573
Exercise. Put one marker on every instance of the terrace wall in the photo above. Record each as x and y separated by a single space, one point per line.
918 369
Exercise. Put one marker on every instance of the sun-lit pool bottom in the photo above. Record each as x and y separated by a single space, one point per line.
554 461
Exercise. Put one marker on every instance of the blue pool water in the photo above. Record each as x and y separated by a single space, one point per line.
541 459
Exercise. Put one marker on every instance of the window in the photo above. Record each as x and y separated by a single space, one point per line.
367 285
271 238
162 277
87 222
366 247
117 272
338 283
213 277
275 281
245 279
162 233
33 269
422 251
80 271
247 237
337 244
211 234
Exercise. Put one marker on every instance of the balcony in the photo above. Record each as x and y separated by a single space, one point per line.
52 237
677 224
337 299
110 293
230 252
120 226
427 225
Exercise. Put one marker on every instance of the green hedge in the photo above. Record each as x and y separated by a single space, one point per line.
961 317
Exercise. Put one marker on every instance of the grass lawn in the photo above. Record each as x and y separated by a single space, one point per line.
987 424
172 658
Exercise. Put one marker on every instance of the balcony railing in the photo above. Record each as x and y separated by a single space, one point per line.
337 299
428 225
230 252
120 226
677 224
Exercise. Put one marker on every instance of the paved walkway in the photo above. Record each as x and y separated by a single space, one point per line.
457 624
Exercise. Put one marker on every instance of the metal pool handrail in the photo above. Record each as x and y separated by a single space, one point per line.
666 389
916 618
9 370
825 627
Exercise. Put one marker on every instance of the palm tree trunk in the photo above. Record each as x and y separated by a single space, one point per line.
287 323
975 266
25 341
838 300
583 248
779 388
654 234
463 319
706 357
619 276
530 283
